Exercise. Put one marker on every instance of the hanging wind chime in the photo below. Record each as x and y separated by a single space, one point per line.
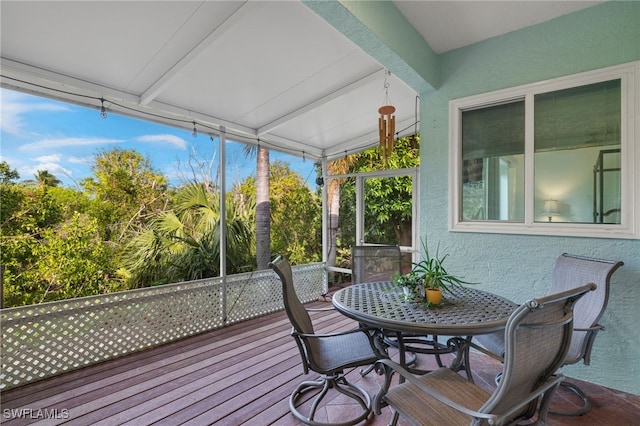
386 123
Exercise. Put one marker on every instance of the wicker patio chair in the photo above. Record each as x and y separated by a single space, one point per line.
326 354
537 337
571 271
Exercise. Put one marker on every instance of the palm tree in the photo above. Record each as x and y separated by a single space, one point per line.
184 243
44 178
263 206
337 167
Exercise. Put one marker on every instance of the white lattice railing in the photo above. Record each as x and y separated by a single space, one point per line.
39 341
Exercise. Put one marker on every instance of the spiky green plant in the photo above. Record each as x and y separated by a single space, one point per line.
435 276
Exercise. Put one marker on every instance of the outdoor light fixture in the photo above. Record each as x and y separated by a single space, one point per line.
386 122
551 208
103 110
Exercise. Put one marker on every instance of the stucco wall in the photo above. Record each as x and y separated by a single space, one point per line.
519 267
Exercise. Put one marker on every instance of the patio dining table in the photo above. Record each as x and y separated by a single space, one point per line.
466 313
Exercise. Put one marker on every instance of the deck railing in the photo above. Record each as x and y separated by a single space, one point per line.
40 341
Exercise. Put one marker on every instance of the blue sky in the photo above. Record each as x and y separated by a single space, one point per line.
43 134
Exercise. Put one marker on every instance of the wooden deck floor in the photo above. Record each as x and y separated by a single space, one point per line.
241 374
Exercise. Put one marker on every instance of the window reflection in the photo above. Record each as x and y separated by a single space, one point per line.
549 158
577 154
493 163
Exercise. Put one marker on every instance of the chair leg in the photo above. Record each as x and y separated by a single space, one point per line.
580 411
394 419
324 383
413 358
586 403
390 342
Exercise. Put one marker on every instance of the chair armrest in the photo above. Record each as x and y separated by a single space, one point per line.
320 309
339 333
596 327
390 367
484 350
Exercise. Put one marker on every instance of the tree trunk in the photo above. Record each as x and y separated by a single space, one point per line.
404 232
263 210
333 196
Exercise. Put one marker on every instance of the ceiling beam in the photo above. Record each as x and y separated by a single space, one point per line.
403 51
50 84
160 84
374 76
52 81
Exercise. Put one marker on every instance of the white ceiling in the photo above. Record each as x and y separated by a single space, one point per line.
448 25
267 70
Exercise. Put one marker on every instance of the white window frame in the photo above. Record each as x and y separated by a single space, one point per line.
360 201
629 74
414 173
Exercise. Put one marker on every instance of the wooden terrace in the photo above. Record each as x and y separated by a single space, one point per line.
235 375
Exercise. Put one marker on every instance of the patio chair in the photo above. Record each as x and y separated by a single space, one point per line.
380 263
374 263
571 271
326 354
537 338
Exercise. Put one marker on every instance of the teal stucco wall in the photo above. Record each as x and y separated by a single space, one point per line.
519 266
515 266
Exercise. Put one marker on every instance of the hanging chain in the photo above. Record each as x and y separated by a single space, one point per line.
387 74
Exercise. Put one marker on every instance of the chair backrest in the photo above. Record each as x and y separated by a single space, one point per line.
537 338
296 312
374 263
572 271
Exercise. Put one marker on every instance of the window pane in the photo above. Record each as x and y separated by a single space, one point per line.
493 163
577 154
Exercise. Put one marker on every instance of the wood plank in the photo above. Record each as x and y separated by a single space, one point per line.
239 374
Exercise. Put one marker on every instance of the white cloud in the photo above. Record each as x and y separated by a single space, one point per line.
13 107
81 160
53 158
173 140
52 167
67 143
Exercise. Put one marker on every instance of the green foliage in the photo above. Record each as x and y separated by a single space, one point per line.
27 209
12 198
295 214
184 243
411 280
127 191
7 174
389 200
51 245
25 214
69 260
126 229
430 269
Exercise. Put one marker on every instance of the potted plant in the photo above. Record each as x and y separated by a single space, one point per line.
411 284
435 276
